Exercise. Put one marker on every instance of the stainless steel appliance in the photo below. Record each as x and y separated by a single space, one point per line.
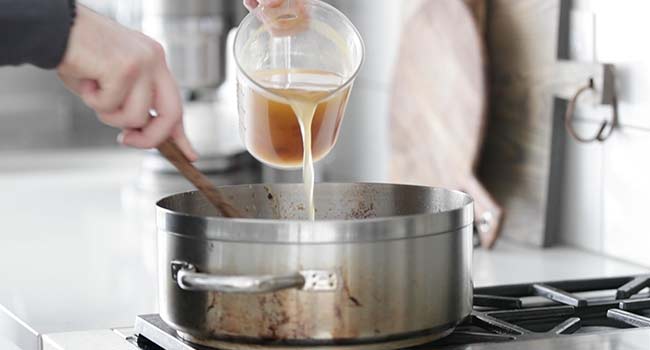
194 34
384 264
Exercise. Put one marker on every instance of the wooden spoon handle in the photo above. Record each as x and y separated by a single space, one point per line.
175 156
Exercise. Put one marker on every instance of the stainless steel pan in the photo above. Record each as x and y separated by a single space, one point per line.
382 263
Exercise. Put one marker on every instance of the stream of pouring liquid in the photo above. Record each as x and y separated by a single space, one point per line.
304 103
305 91
305 113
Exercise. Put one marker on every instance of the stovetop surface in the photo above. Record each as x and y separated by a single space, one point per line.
610 313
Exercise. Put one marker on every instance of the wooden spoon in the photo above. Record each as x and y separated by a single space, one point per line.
174 155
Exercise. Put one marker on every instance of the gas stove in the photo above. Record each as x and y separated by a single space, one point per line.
609 313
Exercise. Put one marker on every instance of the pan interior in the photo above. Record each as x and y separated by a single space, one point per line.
333 201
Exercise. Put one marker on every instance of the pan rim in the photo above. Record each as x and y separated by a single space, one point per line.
321 231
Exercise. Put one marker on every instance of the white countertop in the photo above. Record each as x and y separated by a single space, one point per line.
78 248
510 263
75 254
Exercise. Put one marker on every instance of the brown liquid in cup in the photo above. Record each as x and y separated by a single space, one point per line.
270 125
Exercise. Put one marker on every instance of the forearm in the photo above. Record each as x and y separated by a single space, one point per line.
34 31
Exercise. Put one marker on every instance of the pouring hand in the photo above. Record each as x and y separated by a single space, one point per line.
252 4
122 74
280 17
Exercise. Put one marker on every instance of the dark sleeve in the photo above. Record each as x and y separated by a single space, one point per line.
34 31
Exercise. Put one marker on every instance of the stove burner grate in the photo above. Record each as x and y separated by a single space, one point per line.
552 309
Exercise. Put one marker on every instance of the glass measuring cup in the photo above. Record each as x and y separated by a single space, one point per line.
306 50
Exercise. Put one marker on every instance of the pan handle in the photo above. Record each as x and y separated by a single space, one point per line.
188 278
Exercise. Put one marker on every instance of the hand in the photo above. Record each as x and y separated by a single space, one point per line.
252 4
122 74
278 18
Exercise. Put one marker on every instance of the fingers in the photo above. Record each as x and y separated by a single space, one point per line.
134 114
72 84
132 103
151 135
252 4
168 123
77 85
282 20
111 94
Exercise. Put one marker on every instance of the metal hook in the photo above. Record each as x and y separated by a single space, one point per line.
607 127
